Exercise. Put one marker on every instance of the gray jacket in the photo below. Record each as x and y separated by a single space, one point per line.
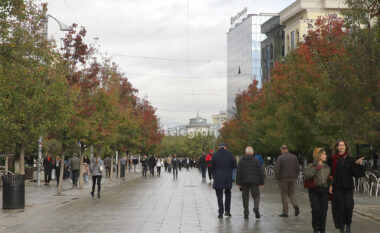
75 163
287 166
321 176
95 168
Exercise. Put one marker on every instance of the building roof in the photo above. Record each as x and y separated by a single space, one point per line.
270 24
301 5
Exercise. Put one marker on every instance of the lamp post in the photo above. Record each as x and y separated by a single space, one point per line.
62 27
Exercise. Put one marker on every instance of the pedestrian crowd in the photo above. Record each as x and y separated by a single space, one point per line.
325 178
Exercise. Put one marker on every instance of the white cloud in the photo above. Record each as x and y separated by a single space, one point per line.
159 29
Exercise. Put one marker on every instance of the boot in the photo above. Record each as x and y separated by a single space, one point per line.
92 193
98 195
348 228
296 211
257 214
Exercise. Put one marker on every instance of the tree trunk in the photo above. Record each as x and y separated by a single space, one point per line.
59 189
111 169
81 181
22 162
118 166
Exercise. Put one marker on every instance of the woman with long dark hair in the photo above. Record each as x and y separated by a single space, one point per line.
343 168
318 173
96 168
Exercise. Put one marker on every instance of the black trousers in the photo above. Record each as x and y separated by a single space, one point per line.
47 176
75 177
227 202
342 207
144 171
159 170
96 180
108 172
255 192
209 170
203 173
319 200
151 168
122 170
175 172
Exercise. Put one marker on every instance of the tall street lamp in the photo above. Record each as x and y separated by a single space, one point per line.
62 27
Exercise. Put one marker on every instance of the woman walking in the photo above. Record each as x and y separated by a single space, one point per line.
159 165
343 168
96 168
317 175
57 166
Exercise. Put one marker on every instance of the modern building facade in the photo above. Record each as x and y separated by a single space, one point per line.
300 17
273 47
243 54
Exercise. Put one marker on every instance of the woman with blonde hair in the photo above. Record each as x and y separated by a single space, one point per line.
318 181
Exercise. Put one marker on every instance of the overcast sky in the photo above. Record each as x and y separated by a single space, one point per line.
134 32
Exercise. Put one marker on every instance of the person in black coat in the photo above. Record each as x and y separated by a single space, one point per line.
203 165
144 164
175 164
48 167
249 176
223 162
343 168
152 163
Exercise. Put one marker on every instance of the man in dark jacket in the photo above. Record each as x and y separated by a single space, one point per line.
48 167
249 176
175 164
144 164
203 166
107 164
286 170
223 163
152 163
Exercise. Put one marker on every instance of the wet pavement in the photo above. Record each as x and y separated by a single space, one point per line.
161 204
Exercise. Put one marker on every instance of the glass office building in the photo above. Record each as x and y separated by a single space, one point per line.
243 56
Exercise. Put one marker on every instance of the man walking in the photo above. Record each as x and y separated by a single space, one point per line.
107 164
48 167
286 171
223 163
123 163
249 176
75 165
144 164
203 166
152 163
175 164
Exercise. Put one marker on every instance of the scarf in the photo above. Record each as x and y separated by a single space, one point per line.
334 161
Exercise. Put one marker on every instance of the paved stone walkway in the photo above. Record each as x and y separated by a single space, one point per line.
161 204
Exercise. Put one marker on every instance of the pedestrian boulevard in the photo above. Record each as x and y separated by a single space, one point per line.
161 204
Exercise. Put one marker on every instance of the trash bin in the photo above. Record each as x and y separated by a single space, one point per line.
13 191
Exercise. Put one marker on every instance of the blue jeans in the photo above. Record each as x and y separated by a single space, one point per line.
85 178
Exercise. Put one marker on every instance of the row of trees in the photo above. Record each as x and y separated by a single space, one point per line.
71 94
185 146
326 89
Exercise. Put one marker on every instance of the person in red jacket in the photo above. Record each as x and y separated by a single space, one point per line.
209 167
